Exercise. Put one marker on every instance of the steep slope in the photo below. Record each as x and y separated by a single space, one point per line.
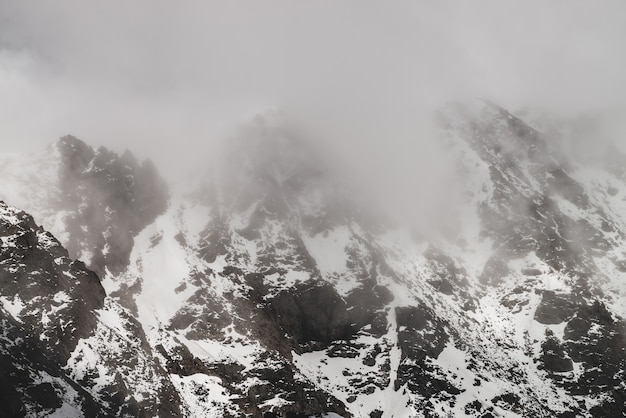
552 278
224 276
36 277
67 349
313 307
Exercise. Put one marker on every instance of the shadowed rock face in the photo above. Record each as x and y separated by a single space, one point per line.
32 380
421 336
554 356
313 314
598 341
555 309
57 299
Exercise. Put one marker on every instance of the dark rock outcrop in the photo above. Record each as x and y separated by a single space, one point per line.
109 199
59 296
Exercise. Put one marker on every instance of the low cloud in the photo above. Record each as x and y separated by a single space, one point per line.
169 80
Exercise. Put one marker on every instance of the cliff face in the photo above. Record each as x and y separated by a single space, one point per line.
267 289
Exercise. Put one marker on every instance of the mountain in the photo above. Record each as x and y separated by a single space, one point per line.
268 288
67 349
93 200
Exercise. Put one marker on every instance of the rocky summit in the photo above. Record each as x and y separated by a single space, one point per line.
267 288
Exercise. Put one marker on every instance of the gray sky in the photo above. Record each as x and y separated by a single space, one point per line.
161 76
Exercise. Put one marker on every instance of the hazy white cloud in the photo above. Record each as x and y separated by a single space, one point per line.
160 77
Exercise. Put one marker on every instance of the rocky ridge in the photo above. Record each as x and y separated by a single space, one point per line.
94 200
267 291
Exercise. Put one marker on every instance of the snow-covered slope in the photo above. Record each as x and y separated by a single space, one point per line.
267 289
273 260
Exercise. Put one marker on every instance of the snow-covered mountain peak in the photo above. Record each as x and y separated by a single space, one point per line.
93 200
270 169
265 291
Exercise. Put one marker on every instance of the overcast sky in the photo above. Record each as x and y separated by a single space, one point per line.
161 76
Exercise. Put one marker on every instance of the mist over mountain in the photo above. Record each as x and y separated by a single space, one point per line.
312 209
160 79
267 286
